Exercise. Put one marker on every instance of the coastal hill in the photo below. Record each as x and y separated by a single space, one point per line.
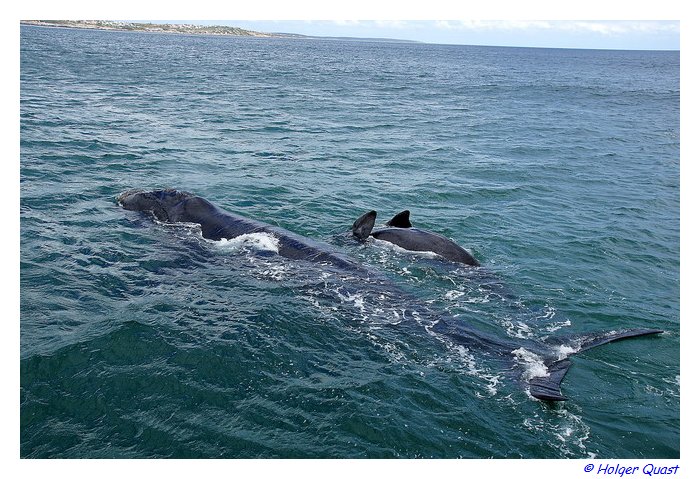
185 29
151 27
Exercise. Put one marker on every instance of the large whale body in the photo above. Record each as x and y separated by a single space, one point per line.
401 232
173 206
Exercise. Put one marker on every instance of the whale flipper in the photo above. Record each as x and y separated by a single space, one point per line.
400 220
548 387
363 225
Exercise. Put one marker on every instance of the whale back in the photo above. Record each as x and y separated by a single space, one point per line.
414 239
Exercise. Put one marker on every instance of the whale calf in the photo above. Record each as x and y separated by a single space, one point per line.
401 232
172 206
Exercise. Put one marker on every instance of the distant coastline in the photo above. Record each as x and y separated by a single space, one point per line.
151 27
185 29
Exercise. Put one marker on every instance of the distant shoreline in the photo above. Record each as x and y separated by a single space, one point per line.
187 29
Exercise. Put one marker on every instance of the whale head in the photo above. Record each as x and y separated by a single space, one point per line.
159 202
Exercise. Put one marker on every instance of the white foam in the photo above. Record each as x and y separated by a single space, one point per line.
254 241
557 326
533 364
469 361
517 329
357 299
572 431
548 312
275 272
454 294
565 351
492 386
567 432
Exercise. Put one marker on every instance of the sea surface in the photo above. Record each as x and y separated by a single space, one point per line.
558 169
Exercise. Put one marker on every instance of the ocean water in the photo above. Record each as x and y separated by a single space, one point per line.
558 169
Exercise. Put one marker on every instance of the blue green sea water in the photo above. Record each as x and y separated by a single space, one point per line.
558 169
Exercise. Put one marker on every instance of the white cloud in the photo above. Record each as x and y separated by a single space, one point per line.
345 23
599 27
622 27
396 24
388 24
505 24
445 25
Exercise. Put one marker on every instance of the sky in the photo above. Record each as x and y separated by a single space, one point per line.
597 34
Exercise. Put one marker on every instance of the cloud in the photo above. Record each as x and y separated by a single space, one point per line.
599 27
490 25
388 24
340 23
396 24
505 24
622 27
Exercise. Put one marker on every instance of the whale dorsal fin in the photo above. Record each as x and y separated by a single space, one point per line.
363 225
400 220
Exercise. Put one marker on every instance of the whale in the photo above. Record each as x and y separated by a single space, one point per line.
401 232
172 206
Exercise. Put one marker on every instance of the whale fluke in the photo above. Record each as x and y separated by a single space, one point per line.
548 388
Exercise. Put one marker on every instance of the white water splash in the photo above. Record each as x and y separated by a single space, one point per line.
533 364
571 432
454 294
564 351
357 299
275 272
517 329
564 430
251 241
557 326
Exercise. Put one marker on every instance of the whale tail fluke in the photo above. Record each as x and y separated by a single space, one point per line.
548 387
